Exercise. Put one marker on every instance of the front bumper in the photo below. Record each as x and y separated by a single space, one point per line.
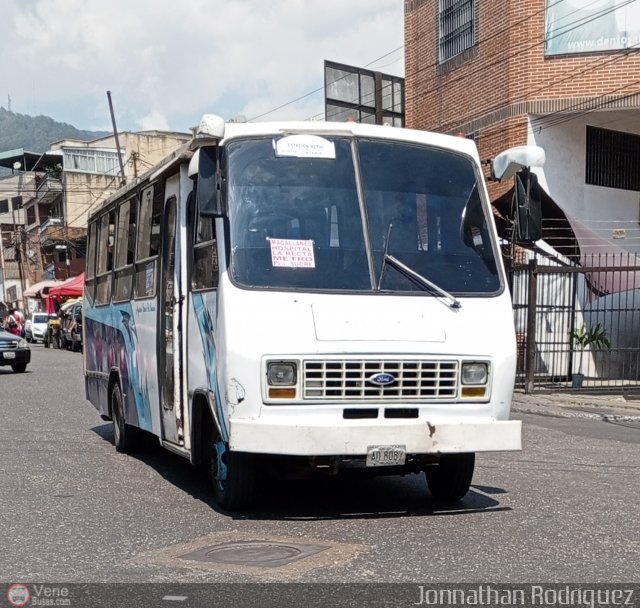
20 355
295 436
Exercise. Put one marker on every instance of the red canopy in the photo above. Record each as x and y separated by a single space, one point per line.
71 287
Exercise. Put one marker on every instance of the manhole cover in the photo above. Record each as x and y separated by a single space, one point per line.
254 553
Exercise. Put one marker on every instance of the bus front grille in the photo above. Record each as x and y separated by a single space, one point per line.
380 380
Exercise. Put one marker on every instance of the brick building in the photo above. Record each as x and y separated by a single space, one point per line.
562 74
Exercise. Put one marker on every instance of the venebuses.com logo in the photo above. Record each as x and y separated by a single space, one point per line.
38 594
18 594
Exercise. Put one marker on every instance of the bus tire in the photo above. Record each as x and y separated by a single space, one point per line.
450 479
236 492
126 438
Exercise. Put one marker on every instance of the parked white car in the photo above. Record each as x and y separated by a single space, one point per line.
36 327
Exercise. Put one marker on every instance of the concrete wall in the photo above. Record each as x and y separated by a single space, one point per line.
86 191
602 210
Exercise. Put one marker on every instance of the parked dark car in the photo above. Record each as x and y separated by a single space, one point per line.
14 351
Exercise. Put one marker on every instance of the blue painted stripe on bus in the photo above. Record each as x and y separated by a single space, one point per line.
206 325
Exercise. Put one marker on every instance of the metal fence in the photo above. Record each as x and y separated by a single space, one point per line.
578 325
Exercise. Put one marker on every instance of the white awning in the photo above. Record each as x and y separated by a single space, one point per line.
34 290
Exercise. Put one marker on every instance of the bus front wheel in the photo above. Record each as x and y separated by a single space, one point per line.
450 479
232 477
126 438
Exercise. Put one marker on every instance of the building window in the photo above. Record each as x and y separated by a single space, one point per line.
88 160
457 27
4 206
362 95
31 215
612 159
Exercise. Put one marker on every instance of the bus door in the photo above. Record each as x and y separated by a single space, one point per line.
170 304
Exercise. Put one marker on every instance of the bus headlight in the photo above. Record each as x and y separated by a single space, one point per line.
475 373
282 373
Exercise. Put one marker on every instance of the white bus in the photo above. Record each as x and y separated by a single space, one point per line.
304 297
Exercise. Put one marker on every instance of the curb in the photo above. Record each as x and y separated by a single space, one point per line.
563 413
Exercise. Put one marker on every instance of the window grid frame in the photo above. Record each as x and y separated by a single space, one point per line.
456 28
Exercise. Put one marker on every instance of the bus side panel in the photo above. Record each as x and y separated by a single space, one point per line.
96 394
113 334
144 360
202 350
99 355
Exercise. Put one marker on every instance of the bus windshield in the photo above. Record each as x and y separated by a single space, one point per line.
298 221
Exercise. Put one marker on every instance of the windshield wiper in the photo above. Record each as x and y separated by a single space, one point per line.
412 274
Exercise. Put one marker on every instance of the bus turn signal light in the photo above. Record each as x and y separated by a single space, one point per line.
282 393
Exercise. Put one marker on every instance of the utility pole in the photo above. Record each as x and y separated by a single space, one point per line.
17 246
17 235
134 160
123 179
67 251
2 269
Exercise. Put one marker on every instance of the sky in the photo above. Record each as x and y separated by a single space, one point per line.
166 62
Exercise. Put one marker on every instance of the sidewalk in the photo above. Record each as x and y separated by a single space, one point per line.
577 405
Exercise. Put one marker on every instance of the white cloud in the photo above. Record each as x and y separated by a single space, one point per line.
166 62
155 120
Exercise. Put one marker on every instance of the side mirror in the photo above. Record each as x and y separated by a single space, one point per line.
509 162
516 162
204 167
528 211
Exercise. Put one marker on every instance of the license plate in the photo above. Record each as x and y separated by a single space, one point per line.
386 455
9 355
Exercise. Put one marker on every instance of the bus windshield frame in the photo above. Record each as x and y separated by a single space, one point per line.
325 222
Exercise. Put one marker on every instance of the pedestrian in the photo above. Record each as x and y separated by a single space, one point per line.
11 324
19 317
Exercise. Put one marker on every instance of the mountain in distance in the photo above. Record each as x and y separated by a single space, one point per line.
37 133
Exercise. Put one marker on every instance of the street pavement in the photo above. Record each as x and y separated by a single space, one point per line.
72 509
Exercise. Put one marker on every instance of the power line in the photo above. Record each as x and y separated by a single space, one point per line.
573 116
569 26
572 75
354 101
500 32
494 35
575 24
288 103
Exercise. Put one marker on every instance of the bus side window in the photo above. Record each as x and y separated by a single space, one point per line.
148 240
104 258
90 280
125 239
